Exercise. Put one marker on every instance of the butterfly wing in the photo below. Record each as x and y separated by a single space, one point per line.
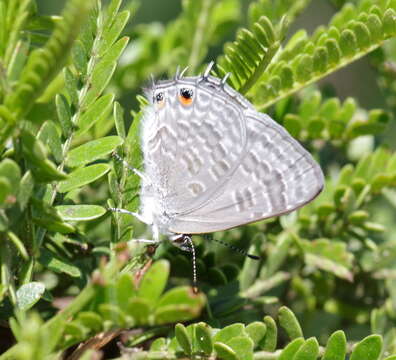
191 151
275 176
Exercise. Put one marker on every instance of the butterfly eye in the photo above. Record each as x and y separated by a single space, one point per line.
186 96
159 99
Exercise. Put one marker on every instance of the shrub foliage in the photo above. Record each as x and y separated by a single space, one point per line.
325 287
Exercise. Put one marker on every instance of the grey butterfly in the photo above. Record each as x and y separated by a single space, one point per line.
212 162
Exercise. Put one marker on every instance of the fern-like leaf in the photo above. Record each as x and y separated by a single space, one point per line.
43 64
351 34
276 9
249 55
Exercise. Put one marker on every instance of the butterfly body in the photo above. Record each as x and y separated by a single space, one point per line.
212 162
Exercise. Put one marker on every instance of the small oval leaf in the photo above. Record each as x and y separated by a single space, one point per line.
92 151
368 349
336 347
83 176
80 212
28 294
183 339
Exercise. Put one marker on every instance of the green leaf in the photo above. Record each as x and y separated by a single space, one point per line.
95 113
113 314
80 57
183 338
173 313
118 113
368 349
230 331
116 50
289 322
5 189
125 289
154 282
278 255
203 338
83 176
35 151
75 330
92 150
270 339
112 34
336 347
20 247
49 136
139 310
225 352
308 351
100 78
249 271
183 295
291 349
256 331
111 13
304 68
64 115
71 85
179 304
243 347
9 169
330 256
80 212
159 344
28 294
55 263
90 320
389 22
250 54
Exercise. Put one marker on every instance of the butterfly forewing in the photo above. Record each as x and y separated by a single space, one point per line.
193 150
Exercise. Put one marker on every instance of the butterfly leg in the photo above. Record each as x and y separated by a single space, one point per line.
144 241
134 214
134 170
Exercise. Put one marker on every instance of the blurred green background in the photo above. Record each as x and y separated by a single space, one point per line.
356 80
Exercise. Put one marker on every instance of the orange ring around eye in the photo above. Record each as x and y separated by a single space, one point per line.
184 100
161 103
186 96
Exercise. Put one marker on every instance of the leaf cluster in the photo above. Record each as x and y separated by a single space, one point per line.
332 262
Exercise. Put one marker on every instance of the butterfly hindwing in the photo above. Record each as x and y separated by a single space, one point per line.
275 176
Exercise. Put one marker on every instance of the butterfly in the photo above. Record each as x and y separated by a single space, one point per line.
212 162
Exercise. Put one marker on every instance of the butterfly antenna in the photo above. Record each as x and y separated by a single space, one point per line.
194 264
237 249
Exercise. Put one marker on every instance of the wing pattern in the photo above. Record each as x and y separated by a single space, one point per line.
194 150
276 175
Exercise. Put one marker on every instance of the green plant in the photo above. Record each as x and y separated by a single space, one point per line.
331 264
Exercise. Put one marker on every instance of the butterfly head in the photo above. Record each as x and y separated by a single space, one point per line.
186 93
173 94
